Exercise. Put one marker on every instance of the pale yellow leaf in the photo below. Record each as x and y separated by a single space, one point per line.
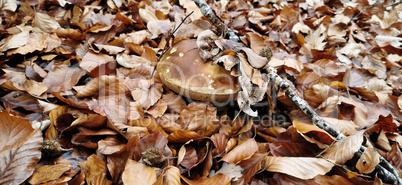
241 152
45 22
300 167
368 161
10 5
147 15
16 40
136 173
343 150
170 176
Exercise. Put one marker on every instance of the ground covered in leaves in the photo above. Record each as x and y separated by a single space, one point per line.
81 102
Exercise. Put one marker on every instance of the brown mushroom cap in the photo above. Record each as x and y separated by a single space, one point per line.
182 70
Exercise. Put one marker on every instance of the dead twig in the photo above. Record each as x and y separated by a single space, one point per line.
354 17
171 36
394 3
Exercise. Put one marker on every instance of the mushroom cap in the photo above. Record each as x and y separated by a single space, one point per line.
182 70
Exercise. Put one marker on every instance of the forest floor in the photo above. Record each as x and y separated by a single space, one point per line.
83 103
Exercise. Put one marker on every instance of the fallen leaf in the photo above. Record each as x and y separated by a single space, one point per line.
16 41
48 173
368 161
10 5
241 152
20 149
170 176
92 167
300 167
138 173
254 59
219 178
45 22
344 150
231 170
197 116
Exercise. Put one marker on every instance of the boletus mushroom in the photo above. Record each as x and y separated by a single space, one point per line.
182 70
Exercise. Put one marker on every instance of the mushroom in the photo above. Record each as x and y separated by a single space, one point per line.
182 70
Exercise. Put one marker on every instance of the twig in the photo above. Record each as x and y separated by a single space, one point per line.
210 14
354 17
171 36
392 4
387 172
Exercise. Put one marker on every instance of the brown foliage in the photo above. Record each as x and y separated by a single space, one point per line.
84 72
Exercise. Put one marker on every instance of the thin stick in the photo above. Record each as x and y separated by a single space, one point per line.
171 36
359 14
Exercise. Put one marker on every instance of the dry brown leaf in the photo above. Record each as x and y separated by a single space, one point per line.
20 99
156 141
110 49
220 141
174 102
111 145
256 42
352 49
251 167
318 135
334 180
197 116
187 158
62 78
219 178
382 142
147 15
150 123
92 88
182 136
254 59
241 152
231 170
48 173
45 22
170 176
148 96
92 60
69 33
343 150
20 149
138 173
300 167
346 127
16 41
38 42
101 179
131 61
368 161
10 5
292 66
158 109
169 122
91 167
288 16
137 37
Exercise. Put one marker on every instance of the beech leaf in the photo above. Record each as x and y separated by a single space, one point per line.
343 150
20 149
170 176
300 167
138 173
241 152
368 161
